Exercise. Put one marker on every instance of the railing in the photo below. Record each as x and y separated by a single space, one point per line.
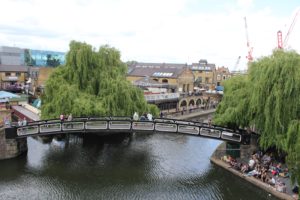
155 97
126 124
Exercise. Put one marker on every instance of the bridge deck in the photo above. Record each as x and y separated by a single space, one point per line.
125 124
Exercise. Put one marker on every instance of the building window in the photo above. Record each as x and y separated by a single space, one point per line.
7 73
206 80
224 77
18 74
219 77
183 87
165 81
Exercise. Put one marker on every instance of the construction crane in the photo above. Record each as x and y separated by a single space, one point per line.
237 63
283 44
250 49
279 40
235 70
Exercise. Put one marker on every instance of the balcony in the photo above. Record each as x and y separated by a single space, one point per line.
161 97
10 78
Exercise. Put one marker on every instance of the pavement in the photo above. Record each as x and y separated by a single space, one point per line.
193 114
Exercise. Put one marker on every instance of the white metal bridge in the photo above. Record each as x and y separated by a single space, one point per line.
112 125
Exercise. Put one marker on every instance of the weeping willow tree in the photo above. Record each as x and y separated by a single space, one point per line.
233 109
275 99
92 83
269 99
293 150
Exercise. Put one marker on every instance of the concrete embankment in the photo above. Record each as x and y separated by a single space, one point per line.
194 114
254 181
10 148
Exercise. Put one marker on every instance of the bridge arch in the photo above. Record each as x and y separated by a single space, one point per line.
165 80
199 102
183 104
111 125
191 102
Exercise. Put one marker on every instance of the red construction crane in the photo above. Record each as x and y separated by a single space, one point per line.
283 44
279 40
250 49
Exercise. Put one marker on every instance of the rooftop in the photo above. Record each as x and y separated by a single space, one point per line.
159 70
13 68
5 96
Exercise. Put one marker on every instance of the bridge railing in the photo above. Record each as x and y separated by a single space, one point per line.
55 126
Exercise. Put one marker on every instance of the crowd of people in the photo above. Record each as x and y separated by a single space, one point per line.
22 122
263 167
143 117
62 117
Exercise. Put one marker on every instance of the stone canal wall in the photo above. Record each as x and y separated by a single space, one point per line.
10 148
244 151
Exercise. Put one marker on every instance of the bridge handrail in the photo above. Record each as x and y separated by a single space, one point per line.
206 125
165 120
127 123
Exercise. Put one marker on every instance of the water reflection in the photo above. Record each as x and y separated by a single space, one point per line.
134 166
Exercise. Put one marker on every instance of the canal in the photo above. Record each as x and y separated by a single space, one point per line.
137 166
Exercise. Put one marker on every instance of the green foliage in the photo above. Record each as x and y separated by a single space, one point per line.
52 61
293 149
275 96
92 83
268 98
233 110
29 61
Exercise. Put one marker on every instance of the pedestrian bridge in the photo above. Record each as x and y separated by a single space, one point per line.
110 125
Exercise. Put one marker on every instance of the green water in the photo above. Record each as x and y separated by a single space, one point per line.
138 166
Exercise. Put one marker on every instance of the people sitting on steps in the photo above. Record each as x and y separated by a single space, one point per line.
264 168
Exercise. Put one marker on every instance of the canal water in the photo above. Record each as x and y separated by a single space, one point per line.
137 166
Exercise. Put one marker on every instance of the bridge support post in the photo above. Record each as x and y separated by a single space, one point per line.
67 139
11 148
247 150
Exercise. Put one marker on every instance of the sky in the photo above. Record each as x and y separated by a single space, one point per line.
159 31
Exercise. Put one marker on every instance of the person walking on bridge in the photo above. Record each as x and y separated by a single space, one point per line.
20 122
24 122
70 118
149 116
62 117
135 116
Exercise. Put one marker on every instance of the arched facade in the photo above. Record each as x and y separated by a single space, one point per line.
192 102
199 102
183 103
188 102
165 81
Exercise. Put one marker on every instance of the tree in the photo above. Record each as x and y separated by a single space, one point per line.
92 83
275 96
233 109
29 61
267 98
51 61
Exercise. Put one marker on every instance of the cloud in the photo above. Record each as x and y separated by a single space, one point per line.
245 3
149 31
